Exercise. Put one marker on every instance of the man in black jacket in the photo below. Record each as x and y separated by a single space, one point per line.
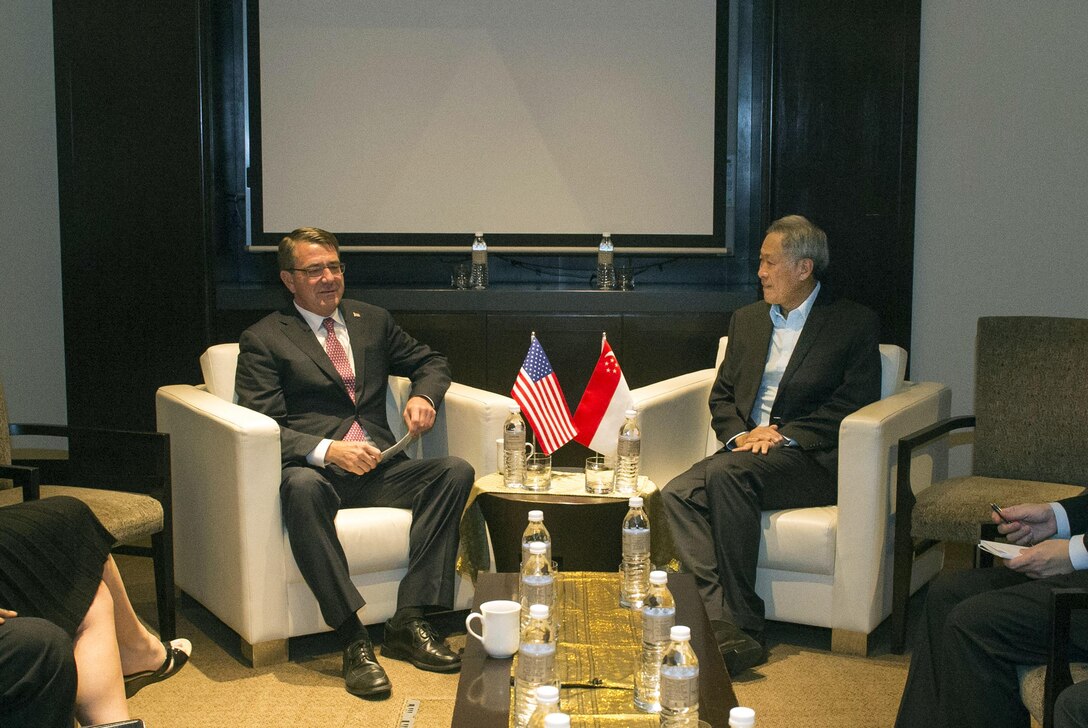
320 368
797 363
980 624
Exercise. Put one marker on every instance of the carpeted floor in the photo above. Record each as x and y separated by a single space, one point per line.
803 684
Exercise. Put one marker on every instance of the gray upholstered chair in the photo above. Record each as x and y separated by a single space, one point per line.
1030 410
124 477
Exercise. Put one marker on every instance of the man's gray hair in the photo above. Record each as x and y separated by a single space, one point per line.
802 239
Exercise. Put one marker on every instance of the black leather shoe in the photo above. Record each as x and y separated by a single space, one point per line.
417 642
740 650
363 676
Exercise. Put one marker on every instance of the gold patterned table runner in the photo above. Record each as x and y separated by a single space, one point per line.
598 653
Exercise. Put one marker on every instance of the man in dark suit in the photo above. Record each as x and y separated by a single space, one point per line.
37 673
980 624
319 367
797 363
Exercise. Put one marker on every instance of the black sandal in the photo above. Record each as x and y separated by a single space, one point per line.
177 654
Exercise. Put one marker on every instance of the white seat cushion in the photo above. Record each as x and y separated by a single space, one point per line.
374 539
800 539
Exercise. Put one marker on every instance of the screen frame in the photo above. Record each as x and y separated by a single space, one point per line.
259 240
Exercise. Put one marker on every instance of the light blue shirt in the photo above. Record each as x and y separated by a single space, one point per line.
786 330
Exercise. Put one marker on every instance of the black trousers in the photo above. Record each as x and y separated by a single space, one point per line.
435 490
37 675
977 626
713 510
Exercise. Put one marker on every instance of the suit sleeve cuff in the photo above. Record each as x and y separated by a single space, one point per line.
732 442
316 457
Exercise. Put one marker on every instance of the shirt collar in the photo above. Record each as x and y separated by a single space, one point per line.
316 322
799 315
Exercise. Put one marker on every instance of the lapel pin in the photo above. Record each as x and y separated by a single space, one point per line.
355 314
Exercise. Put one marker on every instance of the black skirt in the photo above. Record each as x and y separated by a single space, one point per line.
52 553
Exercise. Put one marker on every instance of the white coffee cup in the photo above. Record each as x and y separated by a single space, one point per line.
500 621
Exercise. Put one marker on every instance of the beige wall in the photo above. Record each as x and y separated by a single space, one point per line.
31 325
1002 175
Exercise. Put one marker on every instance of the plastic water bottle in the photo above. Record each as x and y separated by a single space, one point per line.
535 664
627 454
547 703
606 269
741 717
658 618
477 277
537 581
513 449
535 531
636 555
679 682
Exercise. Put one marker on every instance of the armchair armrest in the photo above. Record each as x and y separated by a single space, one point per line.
674 415
123 460
904 497
473 421
1058 677
23 477
228 529
868 440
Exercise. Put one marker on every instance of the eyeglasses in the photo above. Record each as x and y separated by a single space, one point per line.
313 272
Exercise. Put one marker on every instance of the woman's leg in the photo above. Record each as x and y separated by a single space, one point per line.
138 647
100 692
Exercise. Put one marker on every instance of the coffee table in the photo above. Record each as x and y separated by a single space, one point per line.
484 686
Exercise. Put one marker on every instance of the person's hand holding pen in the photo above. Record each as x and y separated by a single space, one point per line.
1026 524
1032 525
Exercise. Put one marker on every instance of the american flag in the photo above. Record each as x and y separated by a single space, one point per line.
541 398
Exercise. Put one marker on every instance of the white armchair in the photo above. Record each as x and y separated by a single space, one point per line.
232 554
829 566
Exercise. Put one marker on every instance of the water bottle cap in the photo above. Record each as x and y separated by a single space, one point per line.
547 694
679 633
741 717
606 235
515 408
659 577
478 234
557 720
635 502
631 413
540 611
538 547
536 515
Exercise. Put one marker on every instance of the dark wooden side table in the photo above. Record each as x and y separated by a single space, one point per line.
586 529
484 685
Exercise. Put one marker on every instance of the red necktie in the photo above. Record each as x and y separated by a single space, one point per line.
339 359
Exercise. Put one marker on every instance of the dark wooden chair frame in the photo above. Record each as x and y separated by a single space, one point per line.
1058 677
120 460
905 549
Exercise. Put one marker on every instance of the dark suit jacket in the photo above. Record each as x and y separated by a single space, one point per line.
1077 510
834 370
284 373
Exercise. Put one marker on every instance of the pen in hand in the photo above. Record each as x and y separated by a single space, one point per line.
997 510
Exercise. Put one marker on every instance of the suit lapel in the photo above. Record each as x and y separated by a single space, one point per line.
747 390
817 317
300 334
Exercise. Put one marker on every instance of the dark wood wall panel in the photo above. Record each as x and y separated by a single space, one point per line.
130 167
842 149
